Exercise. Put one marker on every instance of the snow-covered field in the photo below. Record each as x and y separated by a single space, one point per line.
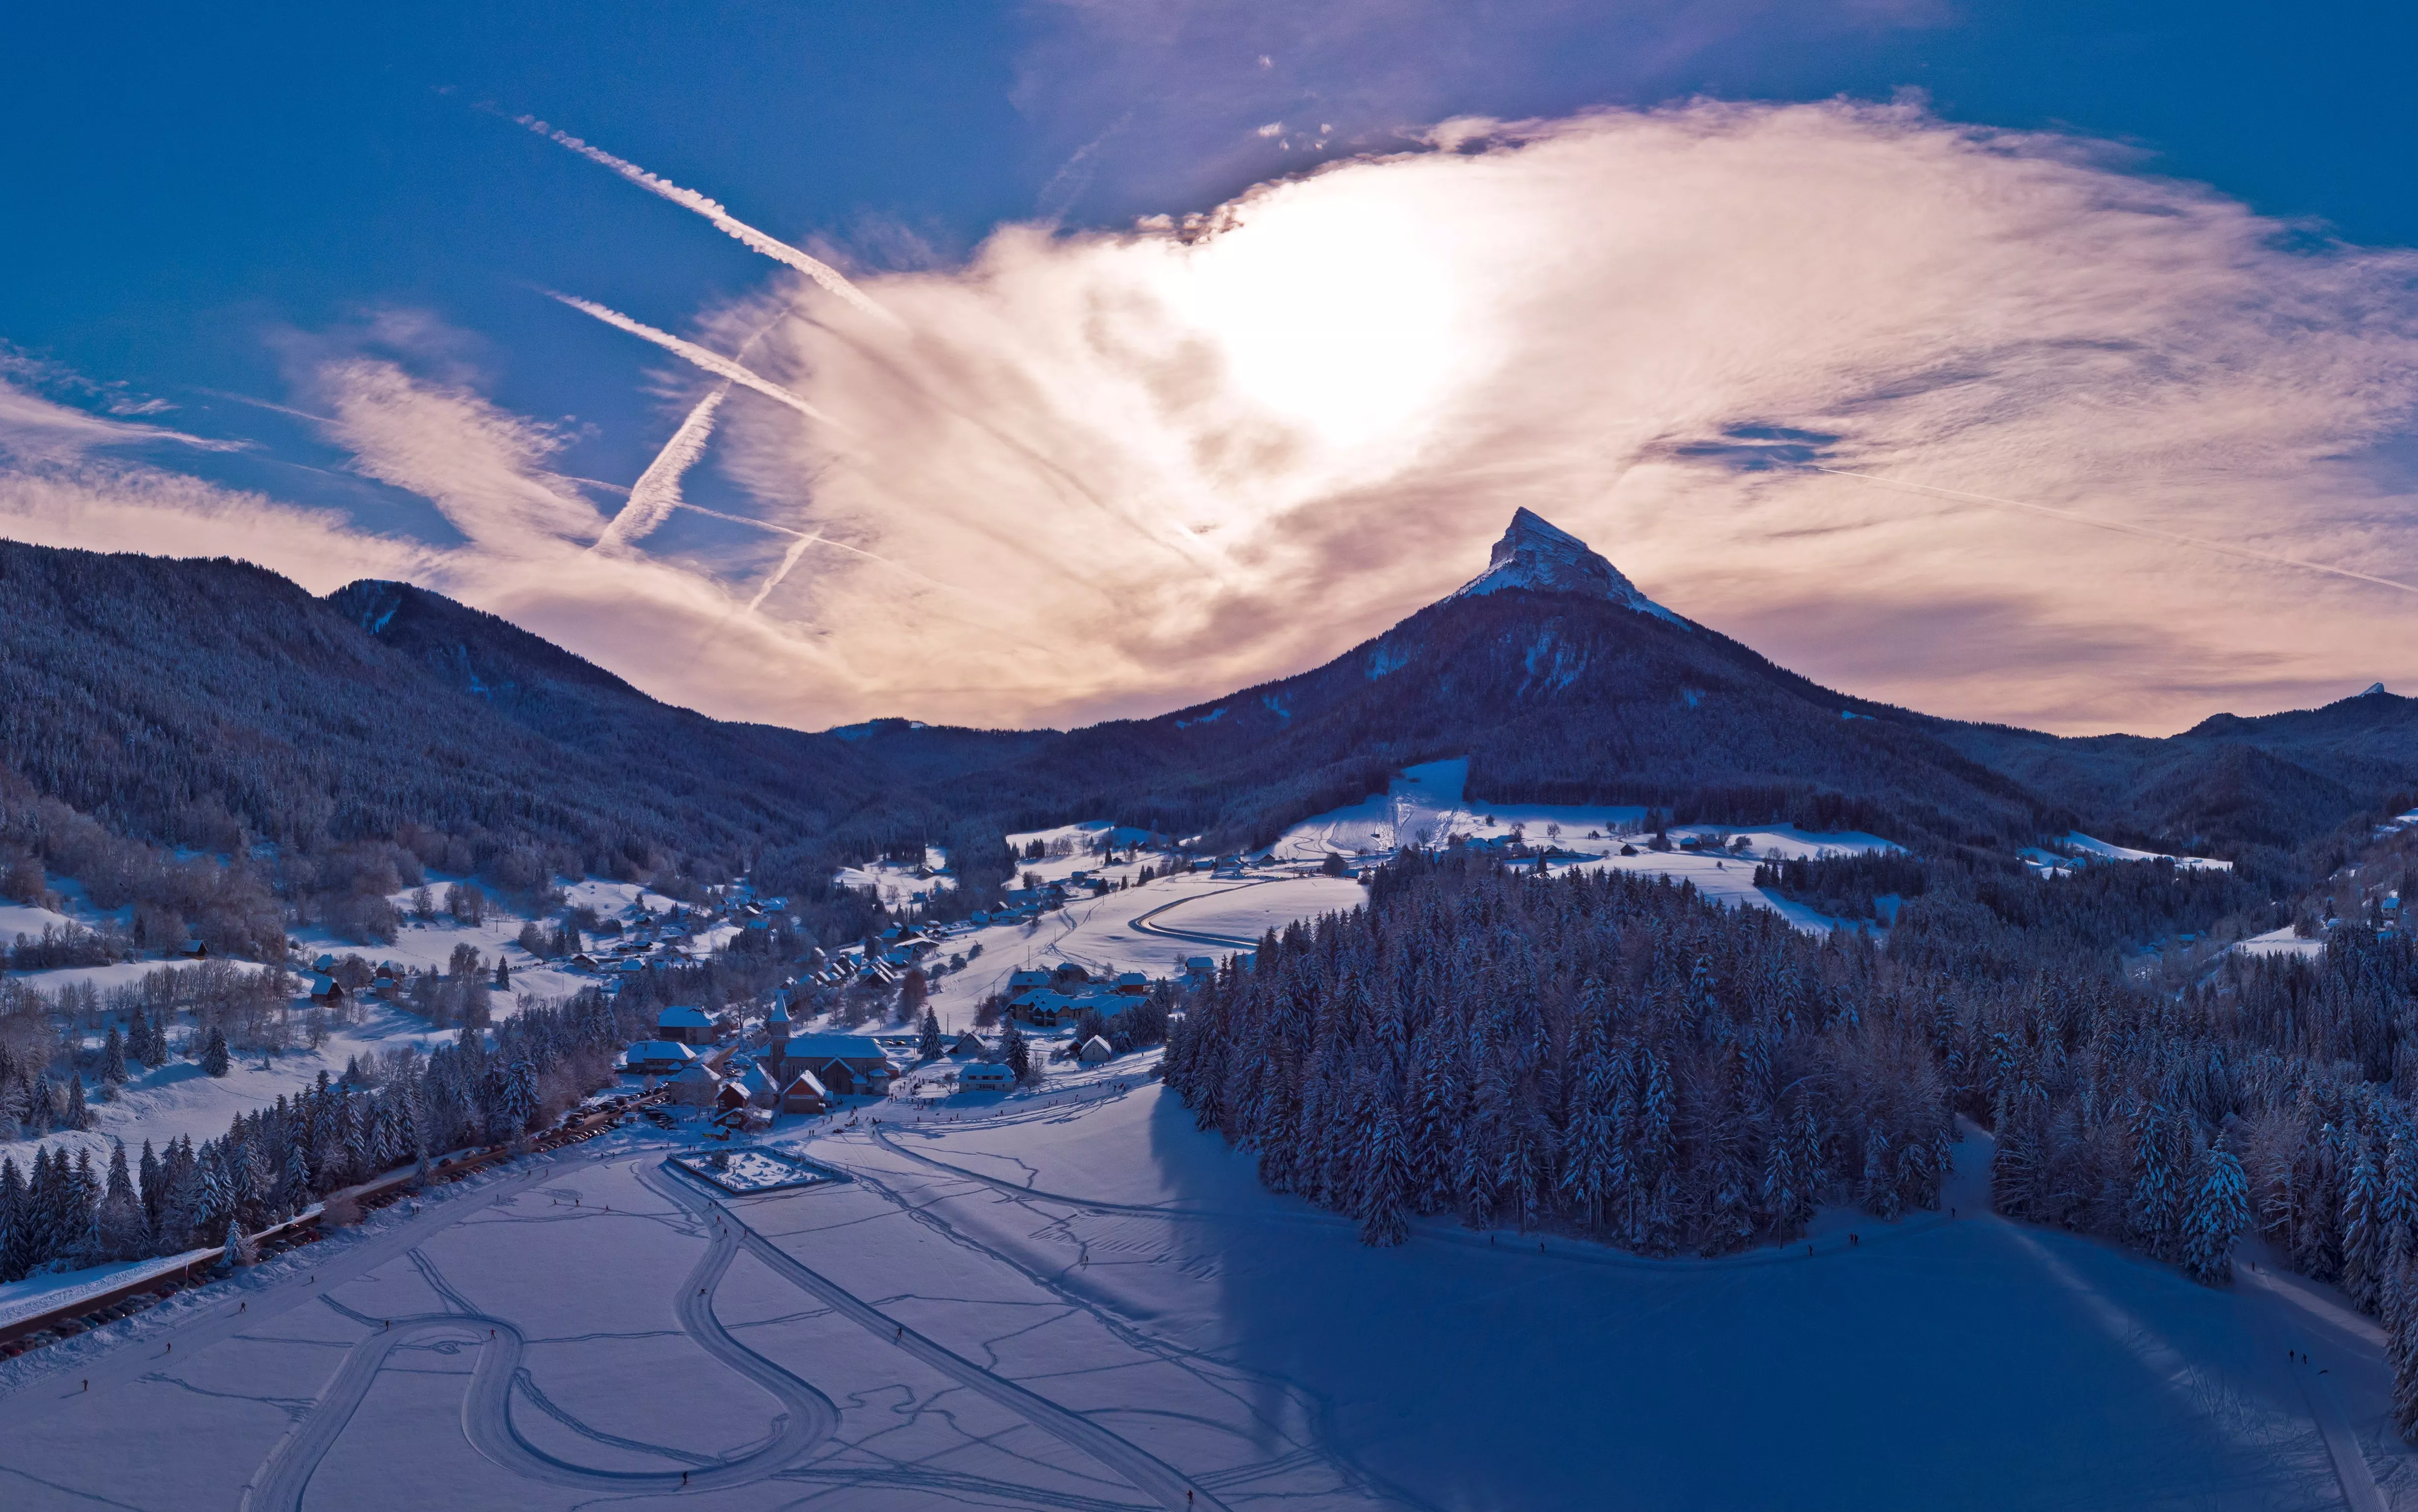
2079 848
2280 942
1077 1300
1424 806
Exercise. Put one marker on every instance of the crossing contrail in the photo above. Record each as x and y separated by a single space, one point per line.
773 247
2146 532
714 362
656 492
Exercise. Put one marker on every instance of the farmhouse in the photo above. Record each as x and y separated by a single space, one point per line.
657 1057
986 1077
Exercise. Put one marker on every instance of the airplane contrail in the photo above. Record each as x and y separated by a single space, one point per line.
656 492
714 362
773 247
2147 532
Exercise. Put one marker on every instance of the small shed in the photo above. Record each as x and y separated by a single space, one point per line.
1096 1050
987 1076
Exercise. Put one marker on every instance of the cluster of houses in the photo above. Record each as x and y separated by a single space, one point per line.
1048 999
795 1073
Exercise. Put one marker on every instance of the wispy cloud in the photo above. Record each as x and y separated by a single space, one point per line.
657 492
711 361
1109 473
823 274
34 429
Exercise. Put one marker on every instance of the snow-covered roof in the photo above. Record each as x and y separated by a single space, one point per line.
836 1047
1543 557
982 1073
658 1050
1096 1050
683 1018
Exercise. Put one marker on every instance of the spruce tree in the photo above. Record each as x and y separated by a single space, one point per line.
928 1045
216 1061
2219 1210
112 1057
2364 1260
1383 1176
78 1116
1018 1058
2401 1345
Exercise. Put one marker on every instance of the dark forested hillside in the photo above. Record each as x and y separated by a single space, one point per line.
2228 785
208 703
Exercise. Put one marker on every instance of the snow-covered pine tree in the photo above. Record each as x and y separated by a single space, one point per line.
1878 1187
154 1186
2401 1345
928 1045
124 1234
1384 1175
2154 1203
2362 1234
240 1250
216 1061
1018 1058
112 1058
2219 1210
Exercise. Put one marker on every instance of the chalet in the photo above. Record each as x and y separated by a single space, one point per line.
1096 1050
583 961
968 1044
805 1093
1020 983
688 1026
1200 968
324 965
327 989
731 1097
988 1075
1132 983
1046 1008
193 948
657 1057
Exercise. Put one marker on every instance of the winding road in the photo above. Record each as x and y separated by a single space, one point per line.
1141 921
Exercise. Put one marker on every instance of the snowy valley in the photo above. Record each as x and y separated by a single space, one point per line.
1546 1058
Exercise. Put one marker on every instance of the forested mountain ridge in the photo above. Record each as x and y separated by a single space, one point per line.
211 703
2230 785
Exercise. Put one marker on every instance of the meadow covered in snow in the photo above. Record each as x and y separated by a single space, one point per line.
1076 1299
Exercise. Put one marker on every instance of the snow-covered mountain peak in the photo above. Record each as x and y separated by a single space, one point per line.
1538 555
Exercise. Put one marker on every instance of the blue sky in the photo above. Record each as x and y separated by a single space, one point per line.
213 209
